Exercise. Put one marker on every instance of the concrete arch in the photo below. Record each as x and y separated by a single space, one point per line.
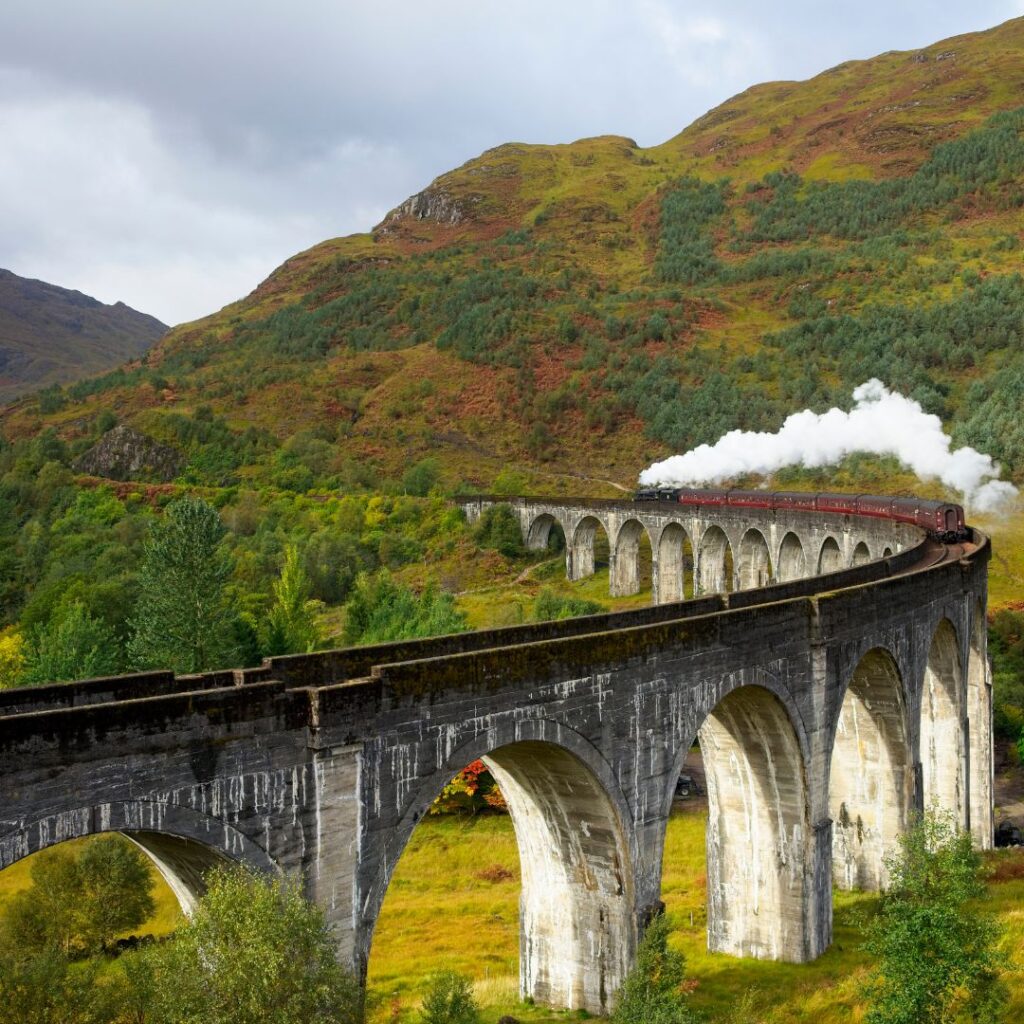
941 742
861 554
183 844
626 568
979 732
870 772
887 553
675 559
792 563
755 565
715 562
830 557
579 559
759 833
577 916
538 534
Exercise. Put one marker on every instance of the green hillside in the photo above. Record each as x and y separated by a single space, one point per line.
585 308
50 335
554 318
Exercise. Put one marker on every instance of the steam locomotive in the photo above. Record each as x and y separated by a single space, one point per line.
940 519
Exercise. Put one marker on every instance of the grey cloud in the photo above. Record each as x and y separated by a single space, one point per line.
171 154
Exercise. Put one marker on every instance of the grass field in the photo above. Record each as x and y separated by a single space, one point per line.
454 903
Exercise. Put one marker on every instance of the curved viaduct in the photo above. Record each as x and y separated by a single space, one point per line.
832 697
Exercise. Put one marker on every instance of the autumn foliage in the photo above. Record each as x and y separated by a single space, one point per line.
470 791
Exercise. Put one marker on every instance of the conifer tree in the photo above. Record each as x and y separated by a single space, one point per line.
182 620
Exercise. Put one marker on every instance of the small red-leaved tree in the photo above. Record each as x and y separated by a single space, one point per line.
469 792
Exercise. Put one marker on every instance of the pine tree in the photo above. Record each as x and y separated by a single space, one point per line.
182 620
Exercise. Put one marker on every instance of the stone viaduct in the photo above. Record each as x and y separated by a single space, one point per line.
833 669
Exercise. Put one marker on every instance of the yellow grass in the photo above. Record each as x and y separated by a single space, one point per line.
445 910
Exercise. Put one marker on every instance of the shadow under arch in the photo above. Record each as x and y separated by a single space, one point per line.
830 558
979 731
632 560
715 562
583 548
941 741
759 835
675 564
792 561
542 531
183 844
861 554
870 772
755 564
577 919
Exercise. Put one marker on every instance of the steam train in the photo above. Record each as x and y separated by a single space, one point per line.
940 519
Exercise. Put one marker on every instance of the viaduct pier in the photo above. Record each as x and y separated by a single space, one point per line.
832 667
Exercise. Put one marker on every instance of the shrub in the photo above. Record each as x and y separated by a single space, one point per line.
254 952
499 530
70 645
937 953
471 790
421 478
449 1000
652 992
383 609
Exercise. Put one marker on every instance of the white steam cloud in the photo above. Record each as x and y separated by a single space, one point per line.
881 421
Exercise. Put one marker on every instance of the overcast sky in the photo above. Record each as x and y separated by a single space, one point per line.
171 154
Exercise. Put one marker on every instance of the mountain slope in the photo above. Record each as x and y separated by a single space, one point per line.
52 335
585 308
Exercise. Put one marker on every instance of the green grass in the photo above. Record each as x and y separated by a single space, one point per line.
511 602
454 903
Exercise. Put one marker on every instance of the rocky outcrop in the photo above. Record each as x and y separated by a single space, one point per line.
433 204
126 454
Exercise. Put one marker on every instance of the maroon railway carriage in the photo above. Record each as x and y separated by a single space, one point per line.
942 519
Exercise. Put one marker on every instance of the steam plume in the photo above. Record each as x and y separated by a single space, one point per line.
881 421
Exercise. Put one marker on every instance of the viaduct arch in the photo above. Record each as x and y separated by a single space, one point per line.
820 704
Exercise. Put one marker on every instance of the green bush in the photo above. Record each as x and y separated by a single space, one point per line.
382 609
937 951
449 1000
70 645
420 478
254 952
652 992
499 530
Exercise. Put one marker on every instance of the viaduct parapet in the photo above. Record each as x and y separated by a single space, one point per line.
833 693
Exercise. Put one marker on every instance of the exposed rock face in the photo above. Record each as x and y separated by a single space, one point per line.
126 454
433 204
